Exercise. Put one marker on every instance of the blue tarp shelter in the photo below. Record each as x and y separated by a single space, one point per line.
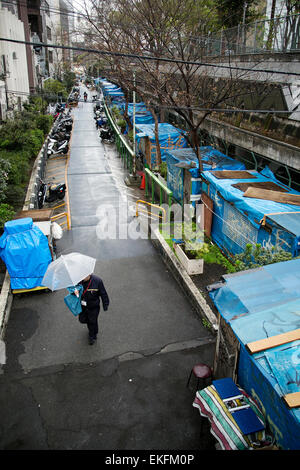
238 220
25 251
211 158
142 115
258 304
169 138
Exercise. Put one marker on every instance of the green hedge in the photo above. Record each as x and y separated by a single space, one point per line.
20 142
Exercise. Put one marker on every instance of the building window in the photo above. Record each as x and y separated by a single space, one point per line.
50 57
49 36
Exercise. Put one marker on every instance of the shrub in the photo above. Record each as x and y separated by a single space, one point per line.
255 256
6 213
44 122
4 173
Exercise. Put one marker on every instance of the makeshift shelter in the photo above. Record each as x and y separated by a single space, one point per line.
25 251
261 308
169 138
183 176
249 207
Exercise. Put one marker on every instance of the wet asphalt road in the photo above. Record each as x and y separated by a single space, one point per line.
128 391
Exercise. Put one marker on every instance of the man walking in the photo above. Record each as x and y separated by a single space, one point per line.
93 289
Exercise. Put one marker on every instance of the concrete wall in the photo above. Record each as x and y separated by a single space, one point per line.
278 151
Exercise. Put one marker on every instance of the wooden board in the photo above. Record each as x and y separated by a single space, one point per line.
233 174
269 185
267 343
208 213
292 399
37 215
284 198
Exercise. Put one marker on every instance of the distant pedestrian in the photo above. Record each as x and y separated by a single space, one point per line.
93 290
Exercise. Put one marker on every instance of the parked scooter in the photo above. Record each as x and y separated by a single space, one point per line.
107 135
60 149
85 96
101 121
50 192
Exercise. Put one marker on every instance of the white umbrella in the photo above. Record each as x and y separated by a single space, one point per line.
68 270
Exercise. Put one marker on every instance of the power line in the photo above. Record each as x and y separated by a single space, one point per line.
148 57
53 10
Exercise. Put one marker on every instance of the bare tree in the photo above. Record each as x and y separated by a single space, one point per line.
171 67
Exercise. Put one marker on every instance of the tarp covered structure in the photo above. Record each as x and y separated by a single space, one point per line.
142 114
170 137
238 220
258 304
211 159
26 253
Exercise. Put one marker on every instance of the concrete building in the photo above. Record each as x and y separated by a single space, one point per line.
14 80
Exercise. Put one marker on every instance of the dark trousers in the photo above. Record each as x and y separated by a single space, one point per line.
90 317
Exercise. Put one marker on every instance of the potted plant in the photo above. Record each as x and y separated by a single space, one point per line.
190 250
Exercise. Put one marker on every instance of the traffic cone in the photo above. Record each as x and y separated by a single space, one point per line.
143 182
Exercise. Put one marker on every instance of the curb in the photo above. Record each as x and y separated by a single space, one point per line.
183 279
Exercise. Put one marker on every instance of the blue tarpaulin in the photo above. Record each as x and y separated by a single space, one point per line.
237 220
211 158
169 138
25 251
258 304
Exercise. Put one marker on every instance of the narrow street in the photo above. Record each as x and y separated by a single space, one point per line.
127 391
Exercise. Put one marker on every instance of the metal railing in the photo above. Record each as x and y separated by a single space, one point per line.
164 192
151 213
278 35
126 153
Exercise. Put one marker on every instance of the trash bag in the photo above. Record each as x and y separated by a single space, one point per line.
56 231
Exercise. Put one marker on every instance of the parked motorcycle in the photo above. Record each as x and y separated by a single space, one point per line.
50 192
60 149
107 135
101 121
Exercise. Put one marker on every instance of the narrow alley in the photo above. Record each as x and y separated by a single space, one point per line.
128 390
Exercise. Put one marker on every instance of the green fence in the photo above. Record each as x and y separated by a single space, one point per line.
125 152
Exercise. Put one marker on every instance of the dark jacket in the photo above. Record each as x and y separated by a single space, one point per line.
92 291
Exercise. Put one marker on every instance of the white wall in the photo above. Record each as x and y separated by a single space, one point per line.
16 81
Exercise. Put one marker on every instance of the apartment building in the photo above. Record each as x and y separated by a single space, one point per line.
23 67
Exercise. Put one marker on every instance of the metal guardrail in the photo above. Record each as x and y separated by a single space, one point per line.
162 188
161 209
127 155
123 147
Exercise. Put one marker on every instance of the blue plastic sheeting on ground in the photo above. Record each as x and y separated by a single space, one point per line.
236 219
211 158
258 304
25 251
169 137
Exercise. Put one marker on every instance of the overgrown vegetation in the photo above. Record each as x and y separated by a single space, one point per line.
20 141
253 256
